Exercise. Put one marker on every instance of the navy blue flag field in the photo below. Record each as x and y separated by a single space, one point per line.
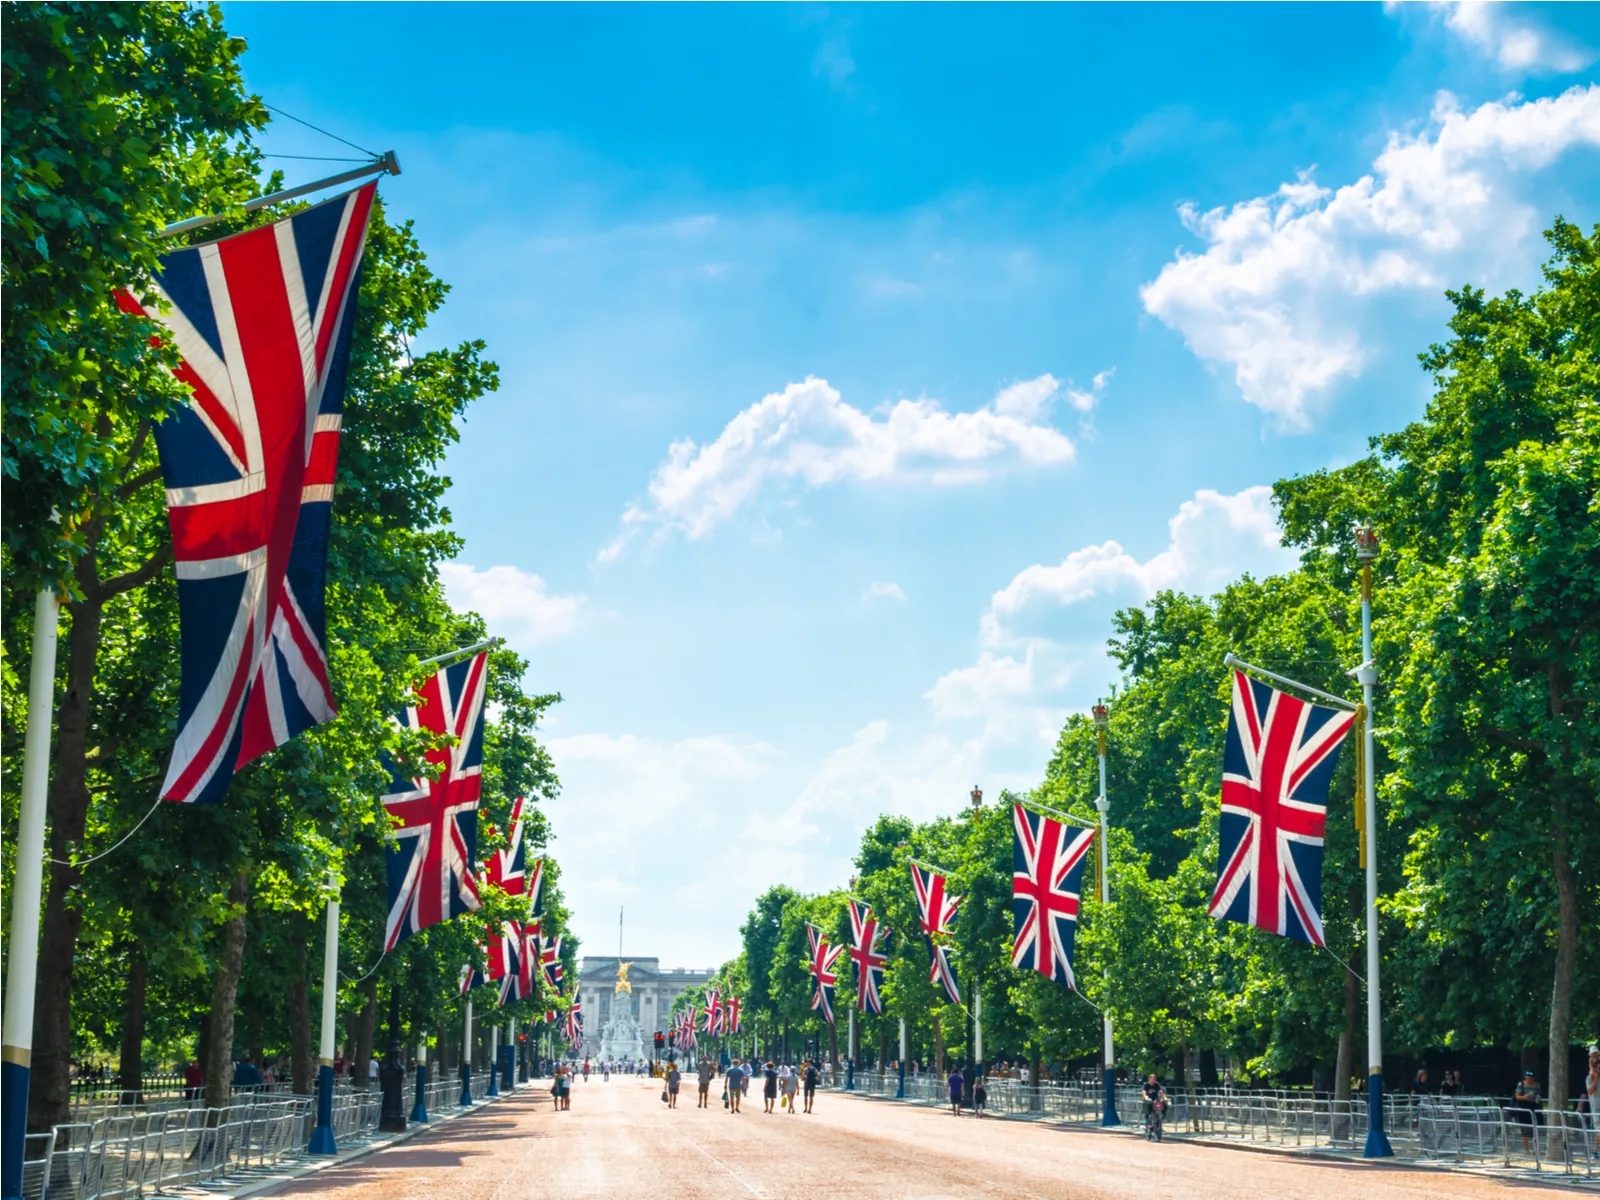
262 323
1048 858
1276 767
431 854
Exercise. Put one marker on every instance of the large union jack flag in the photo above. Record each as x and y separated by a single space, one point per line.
731 1023
1047 860
1276 768
575 1025
713 1012
864 935
262 321
432 852
824 972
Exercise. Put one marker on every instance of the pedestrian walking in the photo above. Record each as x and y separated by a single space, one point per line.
789 1082
734 1083
980 1096
705 1071
1591 1092
1524 1104
769 1087
810 1079
957 1085
674 1079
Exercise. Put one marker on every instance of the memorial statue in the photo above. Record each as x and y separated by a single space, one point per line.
622 979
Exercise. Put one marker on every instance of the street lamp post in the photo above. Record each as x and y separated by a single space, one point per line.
974 1029
1367 676
1102 718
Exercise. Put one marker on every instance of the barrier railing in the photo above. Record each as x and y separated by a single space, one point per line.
134 1150
1468 1130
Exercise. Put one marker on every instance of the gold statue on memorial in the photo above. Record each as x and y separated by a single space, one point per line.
622 979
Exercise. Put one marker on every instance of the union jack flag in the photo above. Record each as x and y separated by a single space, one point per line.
575 1025
824 971
936 907
1276 767
432 852
262 321
713 1013
550 961
864 935
941 972
535 887
730 1015
1047 861
527 955
507 867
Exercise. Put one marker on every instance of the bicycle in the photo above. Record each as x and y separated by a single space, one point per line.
1152 1122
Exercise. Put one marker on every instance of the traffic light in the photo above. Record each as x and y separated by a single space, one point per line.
661 1041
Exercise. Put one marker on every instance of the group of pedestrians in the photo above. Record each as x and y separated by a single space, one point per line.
782 1085
956 1083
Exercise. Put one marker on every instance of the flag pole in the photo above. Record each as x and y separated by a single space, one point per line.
322 1141
1367 676
486 644
419 1103
1102 719
385 164
22 971
1058 815
466 1056
900 1084
494 1056
1233 660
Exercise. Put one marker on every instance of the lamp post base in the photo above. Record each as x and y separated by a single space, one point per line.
900 1082
1108 1111
14 1079
466 1084
419 1107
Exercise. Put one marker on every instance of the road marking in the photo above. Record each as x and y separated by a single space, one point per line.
743 1182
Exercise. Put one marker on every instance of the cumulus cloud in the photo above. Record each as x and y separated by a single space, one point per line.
516 604
1212 539
1278 292
808 434
883 591
1505 33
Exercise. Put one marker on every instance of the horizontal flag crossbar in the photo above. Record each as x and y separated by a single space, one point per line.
386 164
1057 814
927 865
1233 660
486 644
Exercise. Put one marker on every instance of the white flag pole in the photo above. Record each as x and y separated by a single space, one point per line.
22 971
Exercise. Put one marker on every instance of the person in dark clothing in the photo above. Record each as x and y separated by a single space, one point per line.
769 1087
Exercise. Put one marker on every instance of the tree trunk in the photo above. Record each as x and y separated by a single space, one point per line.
1566 957
938 1047
219 1051
360 1072
1344 1067
50 1083
299 1012
131 1067
833 1046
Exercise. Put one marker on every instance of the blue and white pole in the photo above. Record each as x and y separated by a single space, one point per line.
900 1084
494 1061
22 969
419 1106
1367 676
508 1057
850 1062
1102 718
322 1135
466 1057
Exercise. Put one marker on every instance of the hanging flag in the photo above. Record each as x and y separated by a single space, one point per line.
1047 860
824 972
575 1024
864 935
941 972
432 852
535 887
262 322
1277 764
730 1015
713 1012
550 961
935 906
507 867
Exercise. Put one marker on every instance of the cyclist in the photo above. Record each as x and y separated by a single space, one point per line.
1155 1107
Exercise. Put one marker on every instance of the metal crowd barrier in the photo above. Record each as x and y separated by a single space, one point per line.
1467 1130
138 1150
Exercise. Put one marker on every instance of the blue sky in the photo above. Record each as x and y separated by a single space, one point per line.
858 363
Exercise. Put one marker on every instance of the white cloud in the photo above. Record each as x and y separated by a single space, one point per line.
1213 539
1279 290
514 603
883 591
807 433
1503 33
976 690
834 63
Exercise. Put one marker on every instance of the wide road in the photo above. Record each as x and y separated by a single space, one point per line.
619 1140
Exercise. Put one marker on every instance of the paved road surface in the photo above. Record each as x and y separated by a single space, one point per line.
620 1140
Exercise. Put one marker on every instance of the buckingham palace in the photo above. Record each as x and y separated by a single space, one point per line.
654 990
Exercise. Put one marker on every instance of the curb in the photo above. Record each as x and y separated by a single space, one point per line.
307 1167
